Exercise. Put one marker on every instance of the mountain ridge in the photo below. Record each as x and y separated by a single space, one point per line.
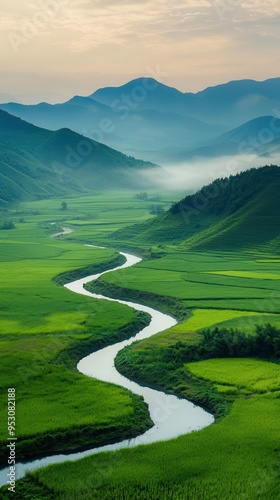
144 115
58 162
259 136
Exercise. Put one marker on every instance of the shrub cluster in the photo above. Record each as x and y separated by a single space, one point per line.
225 343
7 225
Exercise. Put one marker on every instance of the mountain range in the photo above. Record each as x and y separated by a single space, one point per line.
37 163
259 137
153 121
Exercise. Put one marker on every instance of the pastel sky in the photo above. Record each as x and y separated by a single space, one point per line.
53 49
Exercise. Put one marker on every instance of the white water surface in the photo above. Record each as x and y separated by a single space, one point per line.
172 416
64 232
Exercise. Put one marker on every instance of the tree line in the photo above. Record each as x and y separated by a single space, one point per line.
226 343
225 196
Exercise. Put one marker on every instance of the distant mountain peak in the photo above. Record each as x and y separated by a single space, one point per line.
151 120
79 100
146 83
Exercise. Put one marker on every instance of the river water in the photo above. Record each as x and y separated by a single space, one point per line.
171 415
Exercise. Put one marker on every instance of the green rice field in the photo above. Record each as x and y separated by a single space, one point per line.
243 374
45 329
236 458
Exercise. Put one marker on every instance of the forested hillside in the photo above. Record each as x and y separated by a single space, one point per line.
241 211
37 163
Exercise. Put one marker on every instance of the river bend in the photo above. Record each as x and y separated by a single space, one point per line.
171 415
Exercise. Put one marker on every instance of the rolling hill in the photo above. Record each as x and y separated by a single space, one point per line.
37 163
239 212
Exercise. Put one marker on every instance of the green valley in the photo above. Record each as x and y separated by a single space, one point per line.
44 329
140 250
217 272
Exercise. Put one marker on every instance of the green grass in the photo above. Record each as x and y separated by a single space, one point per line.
168 283
59 410
251 275
235 458
249 374
227 390
94 217
31 302
43 328
53 399
64 410
205 318
248 322
255 225
198 281
242 214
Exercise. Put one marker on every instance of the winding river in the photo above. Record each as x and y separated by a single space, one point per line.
171 415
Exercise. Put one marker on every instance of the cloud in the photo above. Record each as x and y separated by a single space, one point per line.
268 8
9 21
143 23
151 24
119 39
108 22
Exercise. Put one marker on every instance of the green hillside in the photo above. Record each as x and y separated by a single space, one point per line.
241 211
254 225
37 163
22 176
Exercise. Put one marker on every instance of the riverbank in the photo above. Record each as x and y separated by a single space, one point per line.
183 418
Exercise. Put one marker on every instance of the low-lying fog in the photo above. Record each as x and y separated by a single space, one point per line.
194 174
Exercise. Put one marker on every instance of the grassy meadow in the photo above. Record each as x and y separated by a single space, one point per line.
235 459
249 375
46 328
200 280
94 217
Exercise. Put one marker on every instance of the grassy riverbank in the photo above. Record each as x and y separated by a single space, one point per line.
45 329
201 280
236 458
